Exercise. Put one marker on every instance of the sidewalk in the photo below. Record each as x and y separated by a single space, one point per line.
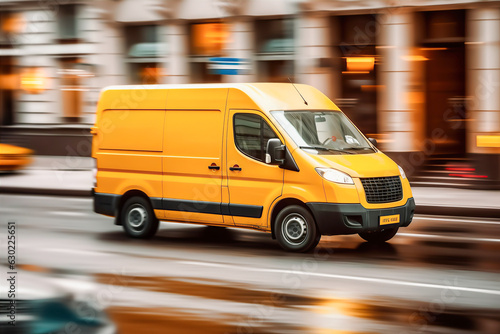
47 175
72 176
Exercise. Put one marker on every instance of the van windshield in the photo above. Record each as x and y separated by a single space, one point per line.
324 131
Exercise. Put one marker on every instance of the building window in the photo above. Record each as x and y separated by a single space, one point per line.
444 26
11 24
274 40
67 20
144 54
73 73
207 40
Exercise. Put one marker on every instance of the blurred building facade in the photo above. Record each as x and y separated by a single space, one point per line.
423 76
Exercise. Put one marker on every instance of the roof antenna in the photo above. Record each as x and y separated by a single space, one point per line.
298 92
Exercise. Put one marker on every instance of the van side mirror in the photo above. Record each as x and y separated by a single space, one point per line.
373 141
275 152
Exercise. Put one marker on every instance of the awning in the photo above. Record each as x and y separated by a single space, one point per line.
279 45
148 50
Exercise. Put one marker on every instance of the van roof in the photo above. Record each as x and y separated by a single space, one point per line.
268 96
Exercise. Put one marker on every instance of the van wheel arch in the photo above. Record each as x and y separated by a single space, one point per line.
280 206
124 198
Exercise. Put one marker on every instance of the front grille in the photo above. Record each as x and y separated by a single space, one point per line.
383 189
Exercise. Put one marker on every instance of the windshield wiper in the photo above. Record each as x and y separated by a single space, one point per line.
358 148
321 148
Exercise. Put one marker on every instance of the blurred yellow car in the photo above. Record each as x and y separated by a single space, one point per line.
14 157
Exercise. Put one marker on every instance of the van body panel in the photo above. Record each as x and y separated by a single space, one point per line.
359 165
120 182
306 185
256 185
133 130
197 99
238 99
192 162
132 97
341 193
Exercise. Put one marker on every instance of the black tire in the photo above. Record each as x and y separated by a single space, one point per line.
379 236
296 229
138 218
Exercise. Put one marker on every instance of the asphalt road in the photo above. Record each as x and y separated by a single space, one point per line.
440 275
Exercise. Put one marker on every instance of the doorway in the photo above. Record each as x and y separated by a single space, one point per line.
445 96
7 91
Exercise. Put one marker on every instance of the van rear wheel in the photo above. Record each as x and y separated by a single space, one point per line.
138 218
379 236
296 230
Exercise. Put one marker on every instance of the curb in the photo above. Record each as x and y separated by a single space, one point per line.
42 191
460 211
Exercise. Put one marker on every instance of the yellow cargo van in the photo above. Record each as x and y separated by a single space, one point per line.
279 158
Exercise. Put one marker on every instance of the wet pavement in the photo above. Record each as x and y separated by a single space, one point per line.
440 275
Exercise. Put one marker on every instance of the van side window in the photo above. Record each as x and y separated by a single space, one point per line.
251 133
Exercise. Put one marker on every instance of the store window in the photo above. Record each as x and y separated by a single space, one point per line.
356 41
67 22
275 49
207 40
144 54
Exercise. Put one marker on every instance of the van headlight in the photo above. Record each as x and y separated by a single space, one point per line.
402 172
334 175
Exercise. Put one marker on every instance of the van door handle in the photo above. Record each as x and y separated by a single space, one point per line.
214 167
235 167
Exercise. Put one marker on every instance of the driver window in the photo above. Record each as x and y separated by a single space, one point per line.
251 134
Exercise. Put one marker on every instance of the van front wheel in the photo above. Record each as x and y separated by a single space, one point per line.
379 236
296 230
138 218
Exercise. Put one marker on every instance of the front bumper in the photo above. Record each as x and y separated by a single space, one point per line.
333 219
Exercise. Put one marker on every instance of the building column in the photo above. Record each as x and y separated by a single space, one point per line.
483 54
312 40
108 60
177 65
241 45
399 115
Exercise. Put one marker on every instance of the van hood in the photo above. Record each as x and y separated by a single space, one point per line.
358 165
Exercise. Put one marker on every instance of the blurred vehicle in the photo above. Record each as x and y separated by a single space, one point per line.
50 305
14 157
280 158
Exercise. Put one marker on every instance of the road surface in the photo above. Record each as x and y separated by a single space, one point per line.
440 275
